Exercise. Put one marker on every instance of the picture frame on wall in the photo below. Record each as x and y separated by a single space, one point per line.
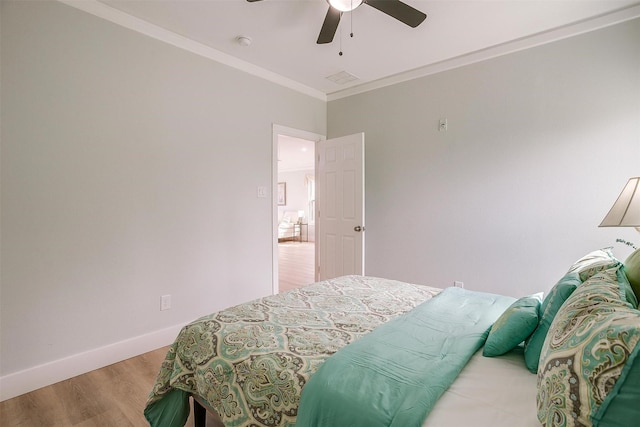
282 193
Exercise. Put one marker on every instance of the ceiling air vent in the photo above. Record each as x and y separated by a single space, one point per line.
342 77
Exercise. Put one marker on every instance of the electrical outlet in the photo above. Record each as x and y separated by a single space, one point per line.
165 302
458 284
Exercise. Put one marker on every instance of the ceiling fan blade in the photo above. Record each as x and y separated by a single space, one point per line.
329 26
251 1
399 10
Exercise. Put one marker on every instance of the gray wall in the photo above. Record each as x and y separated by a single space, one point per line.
540 143
129 171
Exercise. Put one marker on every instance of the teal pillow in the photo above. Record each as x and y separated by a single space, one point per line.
590 361
513 326
550 306
620 407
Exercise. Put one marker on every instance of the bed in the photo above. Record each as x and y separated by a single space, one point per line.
353 351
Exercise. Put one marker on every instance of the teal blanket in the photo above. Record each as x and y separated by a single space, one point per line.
395 375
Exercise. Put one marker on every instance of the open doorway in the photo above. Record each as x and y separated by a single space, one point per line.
294 208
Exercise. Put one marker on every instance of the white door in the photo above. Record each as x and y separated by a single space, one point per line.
340 207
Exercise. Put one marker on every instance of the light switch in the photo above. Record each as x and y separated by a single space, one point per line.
165 302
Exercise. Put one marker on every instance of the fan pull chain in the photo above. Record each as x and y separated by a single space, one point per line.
351 30
351 19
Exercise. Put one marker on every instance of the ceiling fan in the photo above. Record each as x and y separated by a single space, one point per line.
394 8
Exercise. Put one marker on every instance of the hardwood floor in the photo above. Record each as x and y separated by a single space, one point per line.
116 395
296 262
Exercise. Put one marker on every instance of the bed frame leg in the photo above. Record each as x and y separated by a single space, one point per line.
199 415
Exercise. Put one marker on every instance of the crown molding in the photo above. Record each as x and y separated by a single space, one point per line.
517 45
118 17
101 10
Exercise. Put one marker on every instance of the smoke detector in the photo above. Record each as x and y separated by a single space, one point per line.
244 40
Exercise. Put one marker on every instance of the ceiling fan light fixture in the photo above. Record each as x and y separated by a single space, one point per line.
344 5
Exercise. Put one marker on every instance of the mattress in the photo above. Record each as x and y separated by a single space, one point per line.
489 392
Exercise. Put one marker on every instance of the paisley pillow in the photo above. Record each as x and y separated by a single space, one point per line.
593 263
590 365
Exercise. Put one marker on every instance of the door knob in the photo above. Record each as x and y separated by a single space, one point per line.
358 228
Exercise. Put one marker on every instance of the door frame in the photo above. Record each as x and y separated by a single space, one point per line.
296 133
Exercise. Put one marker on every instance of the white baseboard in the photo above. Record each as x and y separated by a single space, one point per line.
21 382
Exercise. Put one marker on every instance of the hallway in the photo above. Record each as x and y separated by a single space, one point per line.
296 261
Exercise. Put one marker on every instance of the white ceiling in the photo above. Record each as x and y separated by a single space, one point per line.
295 154
382 51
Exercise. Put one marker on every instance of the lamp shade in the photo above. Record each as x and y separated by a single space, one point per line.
625 212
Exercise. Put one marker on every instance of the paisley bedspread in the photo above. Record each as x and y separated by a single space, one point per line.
250 362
